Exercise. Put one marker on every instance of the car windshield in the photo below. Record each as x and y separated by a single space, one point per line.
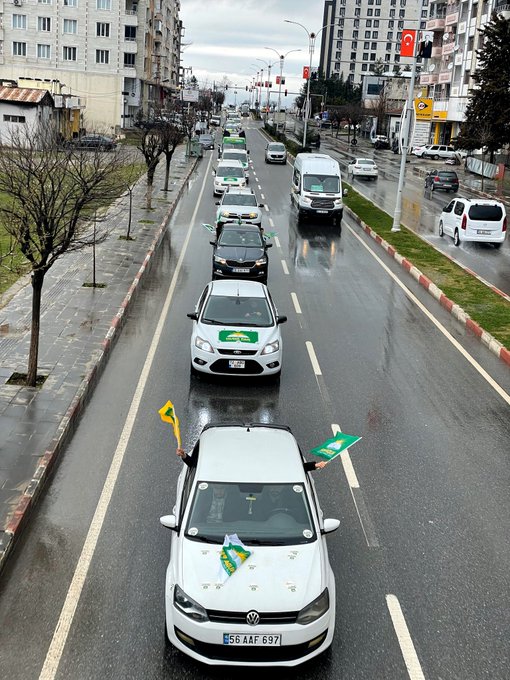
260 514
224 310
444 174
365 161
324 183
238 237
239 199
234 156
488 213
230 171
276 147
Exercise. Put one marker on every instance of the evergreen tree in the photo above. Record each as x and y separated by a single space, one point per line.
489 104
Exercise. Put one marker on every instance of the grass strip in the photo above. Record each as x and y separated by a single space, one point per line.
487 308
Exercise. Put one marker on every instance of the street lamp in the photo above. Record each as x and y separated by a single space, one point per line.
311 44
269 67
282 59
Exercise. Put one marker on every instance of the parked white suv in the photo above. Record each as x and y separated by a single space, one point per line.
434 151
472 219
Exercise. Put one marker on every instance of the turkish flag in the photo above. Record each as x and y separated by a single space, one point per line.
407 43
306 72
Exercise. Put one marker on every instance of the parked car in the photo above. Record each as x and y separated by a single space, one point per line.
381 142
473 219
435 151
276 153
278 607
101 142
239 205
447 180
206 141
236 330
363 167
240 253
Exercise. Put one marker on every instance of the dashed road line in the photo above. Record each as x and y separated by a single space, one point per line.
285 268
271 223
277 242
404 639
295 300
313 358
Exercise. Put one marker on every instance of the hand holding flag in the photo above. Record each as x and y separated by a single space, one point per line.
333 447
168 415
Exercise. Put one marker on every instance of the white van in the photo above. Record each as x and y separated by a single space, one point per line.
228 174
317 186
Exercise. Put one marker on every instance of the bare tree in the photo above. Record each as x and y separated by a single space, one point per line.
149 143
49 196
171 136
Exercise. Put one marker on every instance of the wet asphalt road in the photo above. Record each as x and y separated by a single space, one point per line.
421 214
429 522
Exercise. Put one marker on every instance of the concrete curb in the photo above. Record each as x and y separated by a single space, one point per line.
69 422
494 346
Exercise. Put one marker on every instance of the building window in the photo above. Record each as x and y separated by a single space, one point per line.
402 3
375 34
9 118
43 51
369 23
103 4
341 12
392 13
400 24
354 45
339 44
365 56
102 56
377 13
370 12
44 2
352 67
129 59
70 25
355 34
366 46
367 34
353 56
19 20
19 49
391 24
373 56
70 3
373 46
102 30
44 24
364 67
357 12
356 23
388 46
376 23
389 35
130 33
387 57
401 13
69 53
340 33
341 22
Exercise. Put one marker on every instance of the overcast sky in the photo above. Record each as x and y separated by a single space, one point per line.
227 37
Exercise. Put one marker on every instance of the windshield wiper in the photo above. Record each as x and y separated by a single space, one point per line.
214 323
204 539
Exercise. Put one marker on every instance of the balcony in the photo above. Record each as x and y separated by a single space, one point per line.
504 11
435 24
444 77
449 48
451 19
428 78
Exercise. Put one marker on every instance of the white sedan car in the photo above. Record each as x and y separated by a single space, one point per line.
236 330
363 167
278 607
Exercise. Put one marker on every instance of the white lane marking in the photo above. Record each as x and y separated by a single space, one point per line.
266 208
404 639
496 386
262 197
352 480
271 223
277 242
259 186
284 266
65 621
313 358
296 303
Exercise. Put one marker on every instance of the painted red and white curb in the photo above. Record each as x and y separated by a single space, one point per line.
84 392
494 346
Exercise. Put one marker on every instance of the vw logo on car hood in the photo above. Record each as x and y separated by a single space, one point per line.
252 618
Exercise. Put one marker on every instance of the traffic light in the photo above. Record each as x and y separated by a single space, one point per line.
247 88
283 81
226 87
285 92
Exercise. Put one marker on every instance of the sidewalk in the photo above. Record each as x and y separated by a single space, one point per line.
79 327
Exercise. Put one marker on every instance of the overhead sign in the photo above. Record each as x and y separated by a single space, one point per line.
423 108
407 43
189 95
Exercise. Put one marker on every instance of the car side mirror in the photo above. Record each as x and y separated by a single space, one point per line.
248 153
213 243
170 522
214 172
281 319
217 203
269 245
330 525
192 315
345 192
261 205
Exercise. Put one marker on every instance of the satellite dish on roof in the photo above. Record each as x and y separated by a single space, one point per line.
446 37
431 68
450 66
456 48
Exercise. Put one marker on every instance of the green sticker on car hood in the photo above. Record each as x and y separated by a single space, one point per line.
239 336
231 179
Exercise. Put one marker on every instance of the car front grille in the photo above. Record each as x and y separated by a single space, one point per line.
268 618
241 265
238 352
325 203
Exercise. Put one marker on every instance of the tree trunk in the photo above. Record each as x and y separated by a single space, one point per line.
128 234
150 181
168 160
33 356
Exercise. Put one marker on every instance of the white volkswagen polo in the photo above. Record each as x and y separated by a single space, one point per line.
278 607
236 330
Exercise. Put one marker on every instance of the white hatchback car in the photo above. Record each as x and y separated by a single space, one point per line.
228 174
278 607
473 219
236 330
434 151
363 167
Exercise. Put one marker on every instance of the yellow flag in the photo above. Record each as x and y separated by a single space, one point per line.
168 415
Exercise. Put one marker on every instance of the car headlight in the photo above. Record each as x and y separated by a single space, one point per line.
189 607
314 610
203 344
271 347
225 213
253 215
307 199
220 260
262 261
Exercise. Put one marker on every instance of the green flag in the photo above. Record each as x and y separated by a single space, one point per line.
333 447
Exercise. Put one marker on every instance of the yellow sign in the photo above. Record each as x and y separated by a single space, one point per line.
423 108
440 115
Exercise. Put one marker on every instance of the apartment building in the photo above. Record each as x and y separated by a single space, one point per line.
447 76
366 32
115 59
